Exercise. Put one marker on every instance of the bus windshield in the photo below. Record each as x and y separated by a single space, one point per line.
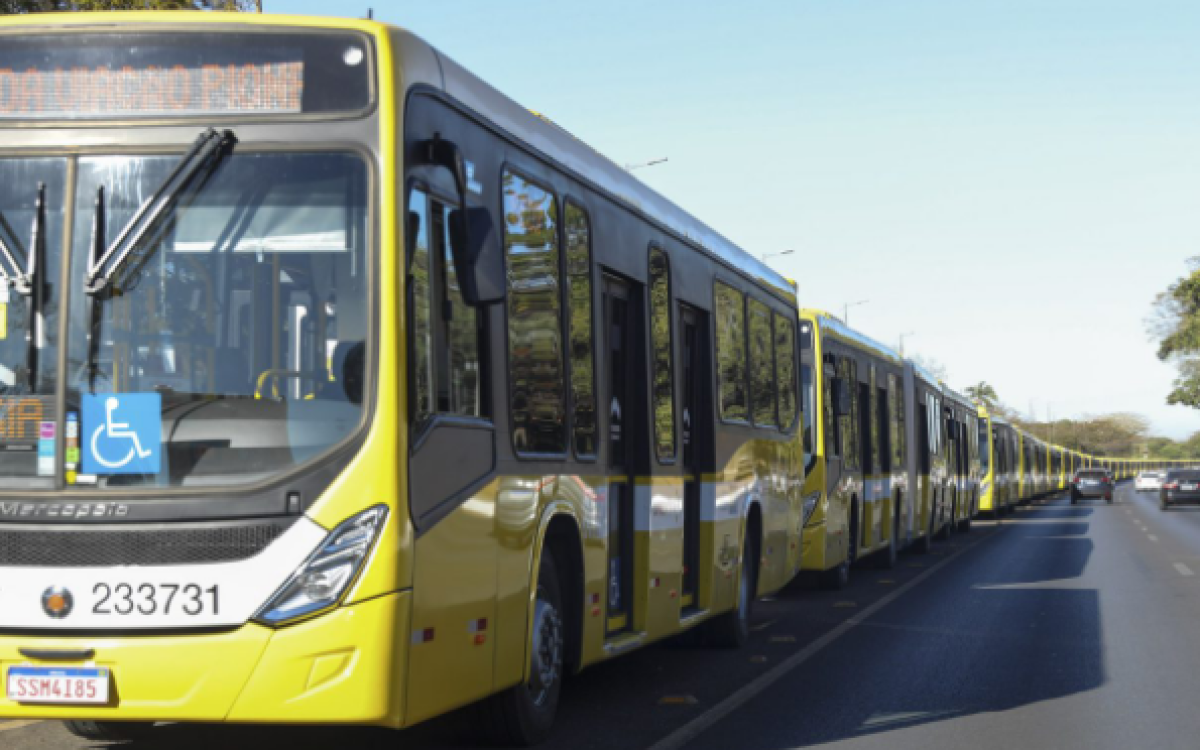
239 333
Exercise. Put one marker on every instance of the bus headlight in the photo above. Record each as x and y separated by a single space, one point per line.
322 580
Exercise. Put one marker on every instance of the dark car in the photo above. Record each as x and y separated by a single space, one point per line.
1180 487
1092 483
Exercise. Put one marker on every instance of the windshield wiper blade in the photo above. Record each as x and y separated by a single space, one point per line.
32 284
205 155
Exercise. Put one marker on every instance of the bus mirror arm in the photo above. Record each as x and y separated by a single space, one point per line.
478 255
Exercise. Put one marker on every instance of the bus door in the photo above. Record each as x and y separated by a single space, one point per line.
697 443
625 428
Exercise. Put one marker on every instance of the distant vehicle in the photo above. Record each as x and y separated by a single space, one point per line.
1148 480
1092 483
1179 487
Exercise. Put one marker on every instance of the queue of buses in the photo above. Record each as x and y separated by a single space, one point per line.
337 388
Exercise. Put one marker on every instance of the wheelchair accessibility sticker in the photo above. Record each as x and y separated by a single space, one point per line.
122 433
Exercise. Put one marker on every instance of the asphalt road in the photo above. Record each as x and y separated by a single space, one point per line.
1058 627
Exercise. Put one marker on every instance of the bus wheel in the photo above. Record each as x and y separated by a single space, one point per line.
887 559
524 715
923 545
948 530
836 579
110 731
732 629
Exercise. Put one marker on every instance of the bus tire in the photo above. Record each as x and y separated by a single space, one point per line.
732 629
923 545
836 579
887 558
948 530
523 715
110 731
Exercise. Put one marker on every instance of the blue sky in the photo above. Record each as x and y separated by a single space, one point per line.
1011 180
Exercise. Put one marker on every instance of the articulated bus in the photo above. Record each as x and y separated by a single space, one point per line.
339 388
859 477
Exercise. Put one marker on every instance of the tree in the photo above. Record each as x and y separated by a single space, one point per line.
10 7
934 367
983 394
1176 324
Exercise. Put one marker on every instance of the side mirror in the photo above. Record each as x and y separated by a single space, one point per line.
477 251
841 398
478 256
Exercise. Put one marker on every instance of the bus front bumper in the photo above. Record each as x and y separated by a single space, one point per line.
343 667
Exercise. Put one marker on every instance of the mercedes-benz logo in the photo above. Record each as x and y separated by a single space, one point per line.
57 602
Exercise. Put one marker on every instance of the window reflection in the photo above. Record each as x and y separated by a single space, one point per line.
535 356
660 334
731 351
579 292
762 365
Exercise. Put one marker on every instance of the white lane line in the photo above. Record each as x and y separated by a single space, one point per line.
1152 537
1184 570
11 725
747 692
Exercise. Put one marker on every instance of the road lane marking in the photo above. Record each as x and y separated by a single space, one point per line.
11 725
1184 570
743 695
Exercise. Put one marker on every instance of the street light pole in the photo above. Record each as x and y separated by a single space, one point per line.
639 165
776 255
902 337
846 309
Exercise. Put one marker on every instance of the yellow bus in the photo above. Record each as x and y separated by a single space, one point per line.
364 393
857 489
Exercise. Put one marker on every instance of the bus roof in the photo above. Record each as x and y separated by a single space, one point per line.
422 64
849 335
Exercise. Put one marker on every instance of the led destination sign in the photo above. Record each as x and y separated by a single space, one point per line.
180 75
177 90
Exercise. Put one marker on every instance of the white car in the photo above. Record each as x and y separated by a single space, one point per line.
1148 480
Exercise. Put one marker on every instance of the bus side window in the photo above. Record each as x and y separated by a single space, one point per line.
833 438
762 366
446 366
579 307
852 445
883 415
785 377
537 398
662 378
731 352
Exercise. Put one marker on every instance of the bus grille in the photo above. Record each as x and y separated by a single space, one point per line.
92 548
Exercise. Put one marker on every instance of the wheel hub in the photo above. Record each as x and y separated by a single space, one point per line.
547 651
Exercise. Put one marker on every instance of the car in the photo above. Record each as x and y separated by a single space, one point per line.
1179 487
1092 483
1148 480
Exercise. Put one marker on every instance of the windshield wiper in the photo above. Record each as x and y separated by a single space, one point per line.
29 281
204 156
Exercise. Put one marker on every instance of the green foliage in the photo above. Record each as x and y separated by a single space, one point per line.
10 7
1177 326
983 394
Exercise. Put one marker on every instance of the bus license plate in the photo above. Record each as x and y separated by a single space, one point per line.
48 685
1188 487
